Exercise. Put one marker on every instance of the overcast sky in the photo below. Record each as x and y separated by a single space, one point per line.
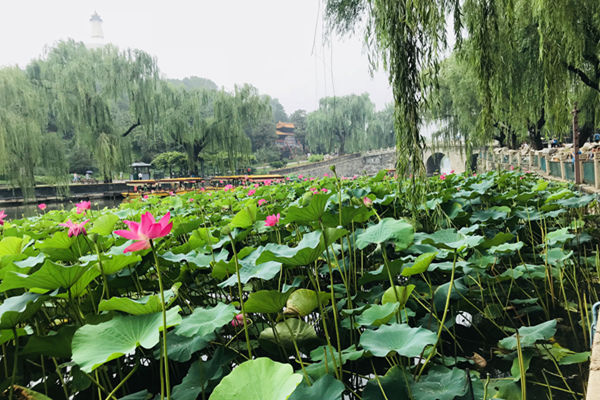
267 43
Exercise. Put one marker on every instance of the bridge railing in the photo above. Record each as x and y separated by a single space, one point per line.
545 164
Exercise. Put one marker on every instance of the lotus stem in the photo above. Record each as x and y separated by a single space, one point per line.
164 330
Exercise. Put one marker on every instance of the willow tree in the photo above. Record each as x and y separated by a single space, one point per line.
406 36
187 119
570 56
533 61
340 123
23 120
85 88
235 116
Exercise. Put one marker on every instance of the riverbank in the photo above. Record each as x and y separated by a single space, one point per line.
13 197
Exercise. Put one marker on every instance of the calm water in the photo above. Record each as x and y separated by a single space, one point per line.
29 210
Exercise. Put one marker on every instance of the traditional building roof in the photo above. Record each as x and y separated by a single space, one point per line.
284 129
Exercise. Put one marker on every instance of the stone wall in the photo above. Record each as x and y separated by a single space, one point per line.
367 163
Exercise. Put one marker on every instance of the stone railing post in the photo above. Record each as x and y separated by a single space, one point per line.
562 170
547 160
530 163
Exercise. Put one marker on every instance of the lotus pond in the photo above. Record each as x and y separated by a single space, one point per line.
306 289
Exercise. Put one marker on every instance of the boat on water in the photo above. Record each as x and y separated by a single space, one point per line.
168 186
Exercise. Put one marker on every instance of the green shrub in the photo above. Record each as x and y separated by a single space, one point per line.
315 157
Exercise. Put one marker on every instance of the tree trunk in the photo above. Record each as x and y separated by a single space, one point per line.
534 131
586 132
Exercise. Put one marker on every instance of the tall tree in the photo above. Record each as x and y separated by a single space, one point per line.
82 86
23 120
340 123
407 36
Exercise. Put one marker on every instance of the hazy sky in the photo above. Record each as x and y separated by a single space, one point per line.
267 43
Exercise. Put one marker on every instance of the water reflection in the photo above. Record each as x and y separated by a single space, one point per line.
29 210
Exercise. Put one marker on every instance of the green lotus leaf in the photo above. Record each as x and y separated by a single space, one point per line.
498 239
401 296
58 246
393 384
441 384
325 388
250 267
304 301
259 379
104 225
326 359
31 261
506 248
400 338
51 276
398 231
54 344
493 213
181 348
559 236
244 218
377 314
200 260
204 321
309 214
308 250
111 264
10 245
201 374
94 345
266 301
420 265
284 334
451 239
145 305
528 335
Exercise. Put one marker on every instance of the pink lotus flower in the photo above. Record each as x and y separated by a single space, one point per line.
312 178
2 216
325 174
238 320
451 172
272 220
305 179
82 206
42 206
512 167
256 185
171 193
221 181
474 174
75 229
268 182
228 187
521 177
300 176
145 230
190 200
443 177
355 176
367 201
324 190
261 202
202 189
251 192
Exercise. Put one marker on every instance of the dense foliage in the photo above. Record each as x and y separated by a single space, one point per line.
521 66
308 287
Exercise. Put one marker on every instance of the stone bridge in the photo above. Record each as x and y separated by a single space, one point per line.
437 160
